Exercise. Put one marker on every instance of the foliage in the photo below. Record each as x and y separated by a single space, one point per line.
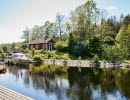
96 58
83 19
2 56
61 46
115 53
33 52
71 43
95 46
105 33
126 20
1 51
5 49
38 57
80 50
24 46
26 34
79 58
27 50
123 37
59 19
49 54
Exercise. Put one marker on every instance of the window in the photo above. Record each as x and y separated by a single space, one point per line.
37 46
31 46
43 46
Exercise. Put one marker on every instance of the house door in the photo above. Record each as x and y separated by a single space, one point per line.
31 46
49 47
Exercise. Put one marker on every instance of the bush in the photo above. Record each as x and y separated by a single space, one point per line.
2 56
96 58
38 57
49 54
95 46
116 53
24 46
1 51
79 58
27 50
61 46
33 52
41 52
80 50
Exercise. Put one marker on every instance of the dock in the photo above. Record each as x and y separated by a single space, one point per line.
7 94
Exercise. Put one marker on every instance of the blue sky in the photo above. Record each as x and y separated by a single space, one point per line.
115 7
16 15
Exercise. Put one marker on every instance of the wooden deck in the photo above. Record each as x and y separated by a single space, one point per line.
7 94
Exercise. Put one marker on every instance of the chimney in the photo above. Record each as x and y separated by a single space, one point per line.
46 37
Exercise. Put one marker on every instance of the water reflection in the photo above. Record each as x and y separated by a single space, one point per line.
63 83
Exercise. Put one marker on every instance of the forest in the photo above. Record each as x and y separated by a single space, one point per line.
87 33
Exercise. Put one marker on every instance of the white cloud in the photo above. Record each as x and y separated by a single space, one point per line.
112 8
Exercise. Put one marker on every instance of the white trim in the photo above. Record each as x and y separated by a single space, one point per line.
37 46
46 46
31 46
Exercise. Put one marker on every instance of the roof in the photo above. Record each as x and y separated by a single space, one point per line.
43 40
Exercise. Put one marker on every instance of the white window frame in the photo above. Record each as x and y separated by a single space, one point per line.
37 46
43 46
31 46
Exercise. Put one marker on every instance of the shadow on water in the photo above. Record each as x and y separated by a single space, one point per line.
73 83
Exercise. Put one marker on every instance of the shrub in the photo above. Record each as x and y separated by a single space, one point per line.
116 53
27 50
71 43
41 52
79 58
33 52
38 58
61 46
2 56
96 58
5 49
49 54
1 51
24 46
80 50
104 61
95 46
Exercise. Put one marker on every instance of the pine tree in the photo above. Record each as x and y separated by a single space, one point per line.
71 43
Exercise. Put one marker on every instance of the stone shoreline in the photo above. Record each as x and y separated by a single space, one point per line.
87 64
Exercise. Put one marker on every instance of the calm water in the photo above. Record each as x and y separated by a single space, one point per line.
69 83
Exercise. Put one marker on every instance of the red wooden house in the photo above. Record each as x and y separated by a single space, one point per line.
44 43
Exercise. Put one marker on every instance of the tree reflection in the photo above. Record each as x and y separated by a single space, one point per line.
84 82
76 83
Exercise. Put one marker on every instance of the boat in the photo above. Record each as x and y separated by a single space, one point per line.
3 69
16 58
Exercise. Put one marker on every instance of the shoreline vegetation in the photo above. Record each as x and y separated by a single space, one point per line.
87 33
